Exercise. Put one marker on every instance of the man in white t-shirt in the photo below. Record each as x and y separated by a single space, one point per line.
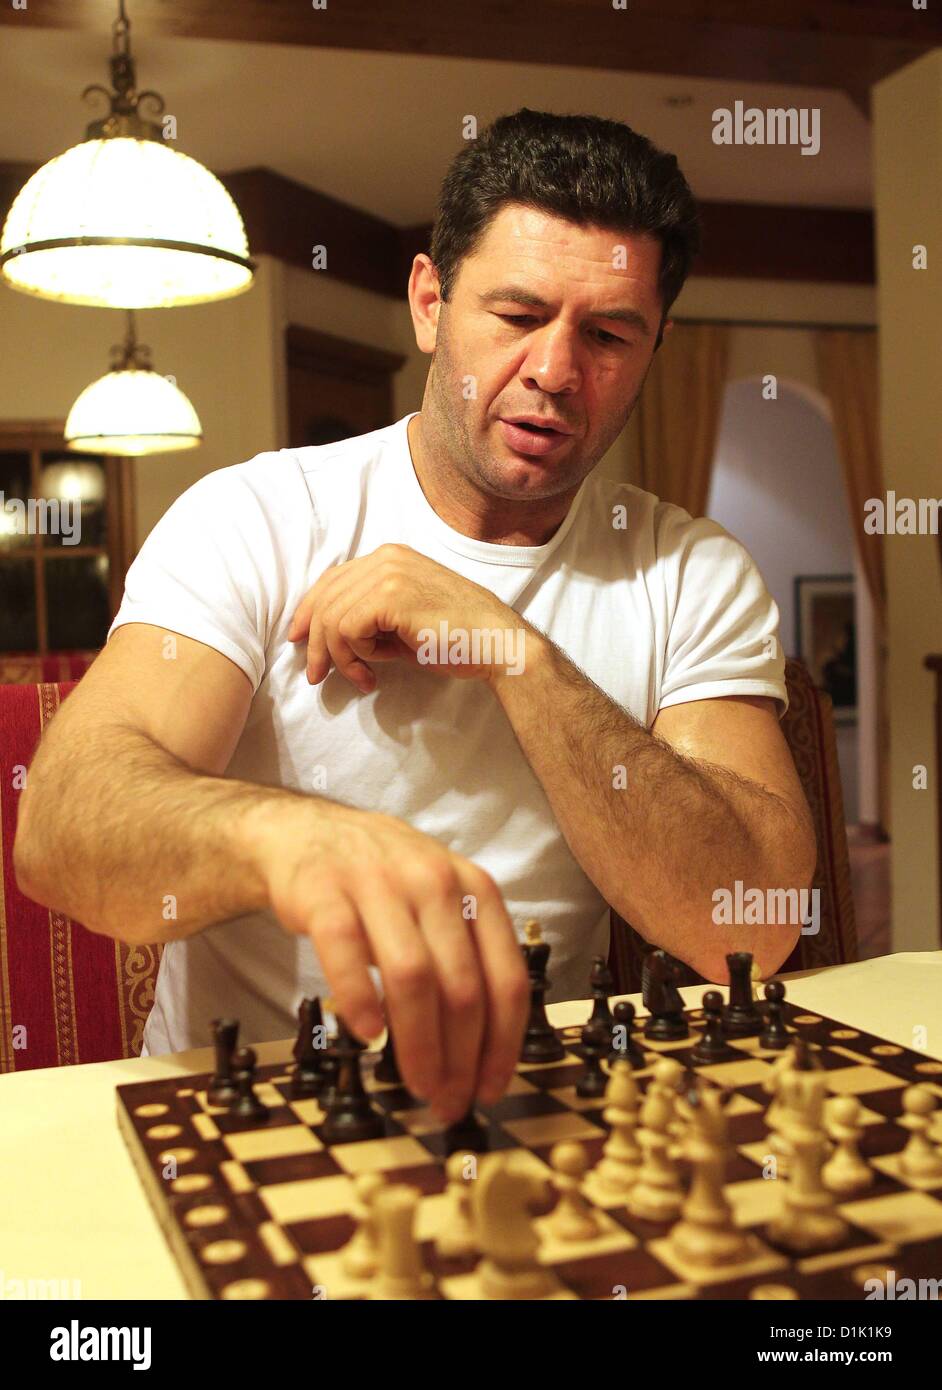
378 702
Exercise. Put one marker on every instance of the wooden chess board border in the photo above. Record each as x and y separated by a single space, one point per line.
848 1050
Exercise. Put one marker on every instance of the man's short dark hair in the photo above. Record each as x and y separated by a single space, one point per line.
591 171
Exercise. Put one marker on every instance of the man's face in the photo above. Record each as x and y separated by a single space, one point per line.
550 320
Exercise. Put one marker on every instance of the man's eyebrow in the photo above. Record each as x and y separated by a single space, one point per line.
633 317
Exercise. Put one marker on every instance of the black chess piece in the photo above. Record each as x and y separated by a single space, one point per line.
540 1043
222 1088
712 1045
247 1105
387 1068
623 1045
774 1036
742 1017
350 1112
805 1059
306 1080
467 1135
601 985
659 975
330 1067
594 1048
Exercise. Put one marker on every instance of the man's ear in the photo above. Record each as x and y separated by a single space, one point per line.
424 302
662 332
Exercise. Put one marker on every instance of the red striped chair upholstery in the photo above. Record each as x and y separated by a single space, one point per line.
66 994
29 668
808 726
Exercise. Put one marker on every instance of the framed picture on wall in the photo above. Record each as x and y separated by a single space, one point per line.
827 637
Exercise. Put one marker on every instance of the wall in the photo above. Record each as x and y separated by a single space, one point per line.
777 487
907 112
222 356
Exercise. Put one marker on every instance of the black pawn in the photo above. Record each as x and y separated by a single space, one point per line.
330 1067
774 1036
741 1016
247 1106
222 1088
601 985
595 1047
712 1045
623 1044
540 1043
350 1112
805 1060
387 1068
307 1079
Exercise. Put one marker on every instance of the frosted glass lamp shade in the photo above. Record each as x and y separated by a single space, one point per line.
132 411
125 223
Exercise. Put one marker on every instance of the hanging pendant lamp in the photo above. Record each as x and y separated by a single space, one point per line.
123 220
132 410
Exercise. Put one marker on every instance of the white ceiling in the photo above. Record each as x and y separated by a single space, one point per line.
378 130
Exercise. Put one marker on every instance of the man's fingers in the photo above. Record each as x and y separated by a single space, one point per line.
410 986
327 640
462 991
344 951
506 985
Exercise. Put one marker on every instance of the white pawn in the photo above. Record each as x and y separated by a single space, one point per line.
777 1111
617 1170
665 1081
658 1193
360 1256
920 1159
456 1236
401 1273
845 1171
573 1217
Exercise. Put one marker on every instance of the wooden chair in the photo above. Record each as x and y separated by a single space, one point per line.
29 668
66 994
808 727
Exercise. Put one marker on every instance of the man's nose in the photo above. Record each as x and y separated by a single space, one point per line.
552 362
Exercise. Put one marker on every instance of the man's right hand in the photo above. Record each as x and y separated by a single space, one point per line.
369 889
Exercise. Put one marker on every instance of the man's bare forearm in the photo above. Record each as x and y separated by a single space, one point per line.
659 846
130 841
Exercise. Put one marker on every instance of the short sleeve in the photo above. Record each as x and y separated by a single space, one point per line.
210 570
723 636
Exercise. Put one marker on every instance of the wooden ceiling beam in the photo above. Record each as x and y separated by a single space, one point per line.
841 44
288 220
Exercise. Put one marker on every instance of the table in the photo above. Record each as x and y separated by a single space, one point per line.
71 1205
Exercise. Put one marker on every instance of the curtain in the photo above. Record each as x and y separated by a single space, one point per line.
673 430
848 367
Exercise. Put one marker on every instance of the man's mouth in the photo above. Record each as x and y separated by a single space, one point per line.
526 437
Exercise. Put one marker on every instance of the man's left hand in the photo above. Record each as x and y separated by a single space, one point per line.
396 604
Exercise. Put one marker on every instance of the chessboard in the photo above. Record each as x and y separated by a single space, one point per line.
264 1211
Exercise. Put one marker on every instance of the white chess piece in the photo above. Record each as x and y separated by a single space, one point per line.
360 1256
506 1233
401 1273
707 1237
808 1219
573 1218
617 1170
658 1192
920 1159
845 1171
455 1238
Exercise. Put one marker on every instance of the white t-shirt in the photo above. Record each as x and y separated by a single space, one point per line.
656 607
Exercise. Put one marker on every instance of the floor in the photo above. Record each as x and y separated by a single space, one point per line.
870 877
